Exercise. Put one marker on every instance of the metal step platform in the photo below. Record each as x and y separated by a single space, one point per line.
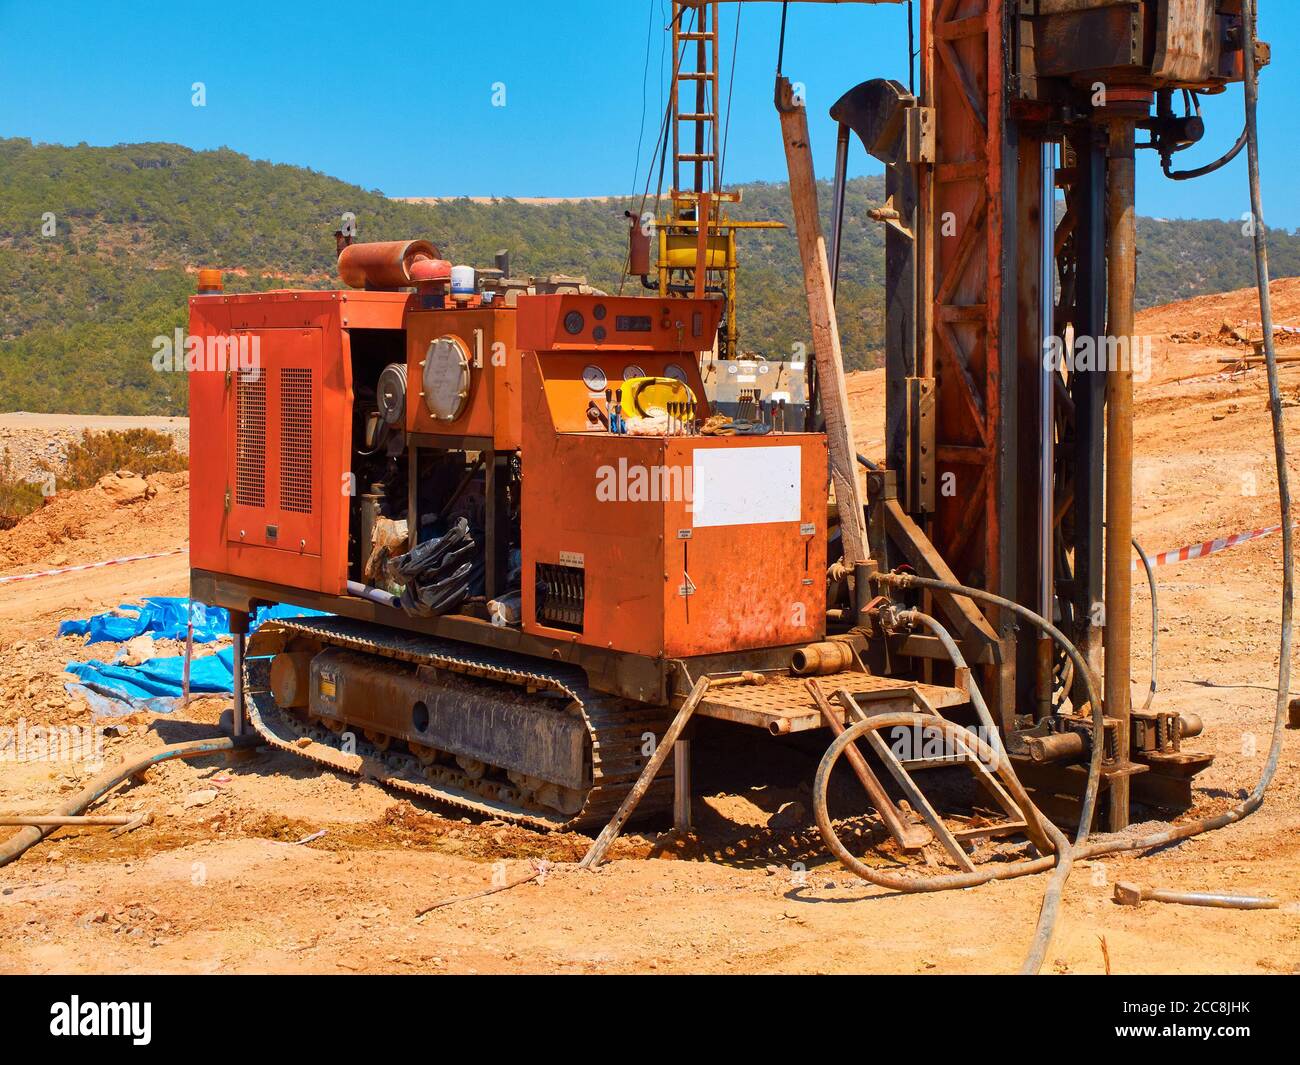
782 704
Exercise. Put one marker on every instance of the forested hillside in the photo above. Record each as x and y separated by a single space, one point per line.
98 248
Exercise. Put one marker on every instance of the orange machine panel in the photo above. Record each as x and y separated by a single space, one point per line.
487 336
270 418
593 344
668 545
576 322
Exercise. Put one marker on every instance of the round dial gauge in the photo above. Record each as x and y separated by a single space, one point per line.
632 371
574 323
446 378
594 378
675 372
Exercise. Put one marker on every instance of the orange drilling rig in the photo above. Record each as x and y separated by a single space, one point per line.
540 547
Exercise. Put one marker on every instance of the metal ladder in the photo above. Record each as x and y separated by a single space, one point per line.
702 74
1018 820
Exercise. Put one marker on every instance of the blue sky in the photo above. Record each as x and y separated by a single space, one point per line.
399 97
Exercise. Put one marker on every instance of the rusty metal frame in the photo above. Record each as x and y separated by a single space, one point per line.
630 676
962 222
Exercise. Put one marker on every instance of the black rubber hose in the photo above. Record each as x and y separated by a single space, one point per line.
974 747
1065 858
1174 834
1155 622
28 837
1256 798
1208 168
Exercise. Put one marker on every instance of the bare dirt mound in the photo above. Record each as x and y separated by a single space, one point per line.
1226 321
1207 313
119 516
235 875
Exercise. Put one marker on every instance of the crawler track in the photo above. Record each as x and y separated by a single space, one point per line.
617 728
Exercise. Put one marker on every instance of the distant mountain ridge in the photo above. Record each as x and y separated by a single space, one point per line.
98 248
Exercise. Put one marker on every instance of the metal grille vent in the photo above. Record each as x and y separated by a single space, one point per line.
295 440
250 439
561 596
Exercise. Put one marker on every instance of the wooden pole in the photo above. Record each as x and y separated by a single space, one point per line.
610 832
832 388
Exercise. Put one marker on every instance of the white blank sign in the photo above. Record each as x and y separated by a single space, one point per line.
746 486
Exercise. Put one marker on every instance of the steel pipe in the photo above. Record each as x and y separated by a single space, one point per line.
822 659
1047 375
19 842
383 264
1127 894
1121 255
238 634
1058 747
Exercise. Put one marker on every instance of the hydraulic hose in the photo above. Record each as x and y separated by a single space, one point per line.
1155 622
1256 798
1176 833
1066 855
21 841
1208 168
917 617
973 746
911 580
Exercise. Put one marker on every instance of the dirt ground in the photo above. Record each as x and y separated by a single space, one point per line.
222 881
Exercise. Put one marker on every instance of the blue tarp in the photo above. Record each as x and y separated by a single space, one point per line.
155 685
164 617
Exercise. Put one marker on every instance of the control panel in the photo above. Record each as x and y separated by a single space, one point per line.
575 322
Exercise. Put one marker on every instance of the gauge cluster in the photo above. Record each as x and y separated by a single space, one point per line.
593 322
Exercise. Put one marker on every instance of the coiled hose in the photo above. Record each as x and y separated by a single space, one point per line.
21 841
1066 856
974 746
1256 798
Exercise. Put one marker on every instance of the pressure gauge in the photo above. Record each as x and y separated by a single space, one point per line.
594 378
632 371
675 372
574 323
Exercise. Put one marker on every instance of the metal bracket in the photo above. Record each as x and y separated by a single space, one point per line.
920 478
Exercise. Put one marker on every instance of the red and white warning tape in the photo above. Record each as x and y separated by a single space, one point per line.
91 565
1165 558
1209 547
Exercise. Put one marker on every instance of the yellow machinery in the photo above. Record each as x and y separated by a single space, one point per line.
698 258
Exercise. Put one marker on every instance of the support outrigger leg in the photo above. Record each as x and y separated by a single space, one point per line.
610 832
